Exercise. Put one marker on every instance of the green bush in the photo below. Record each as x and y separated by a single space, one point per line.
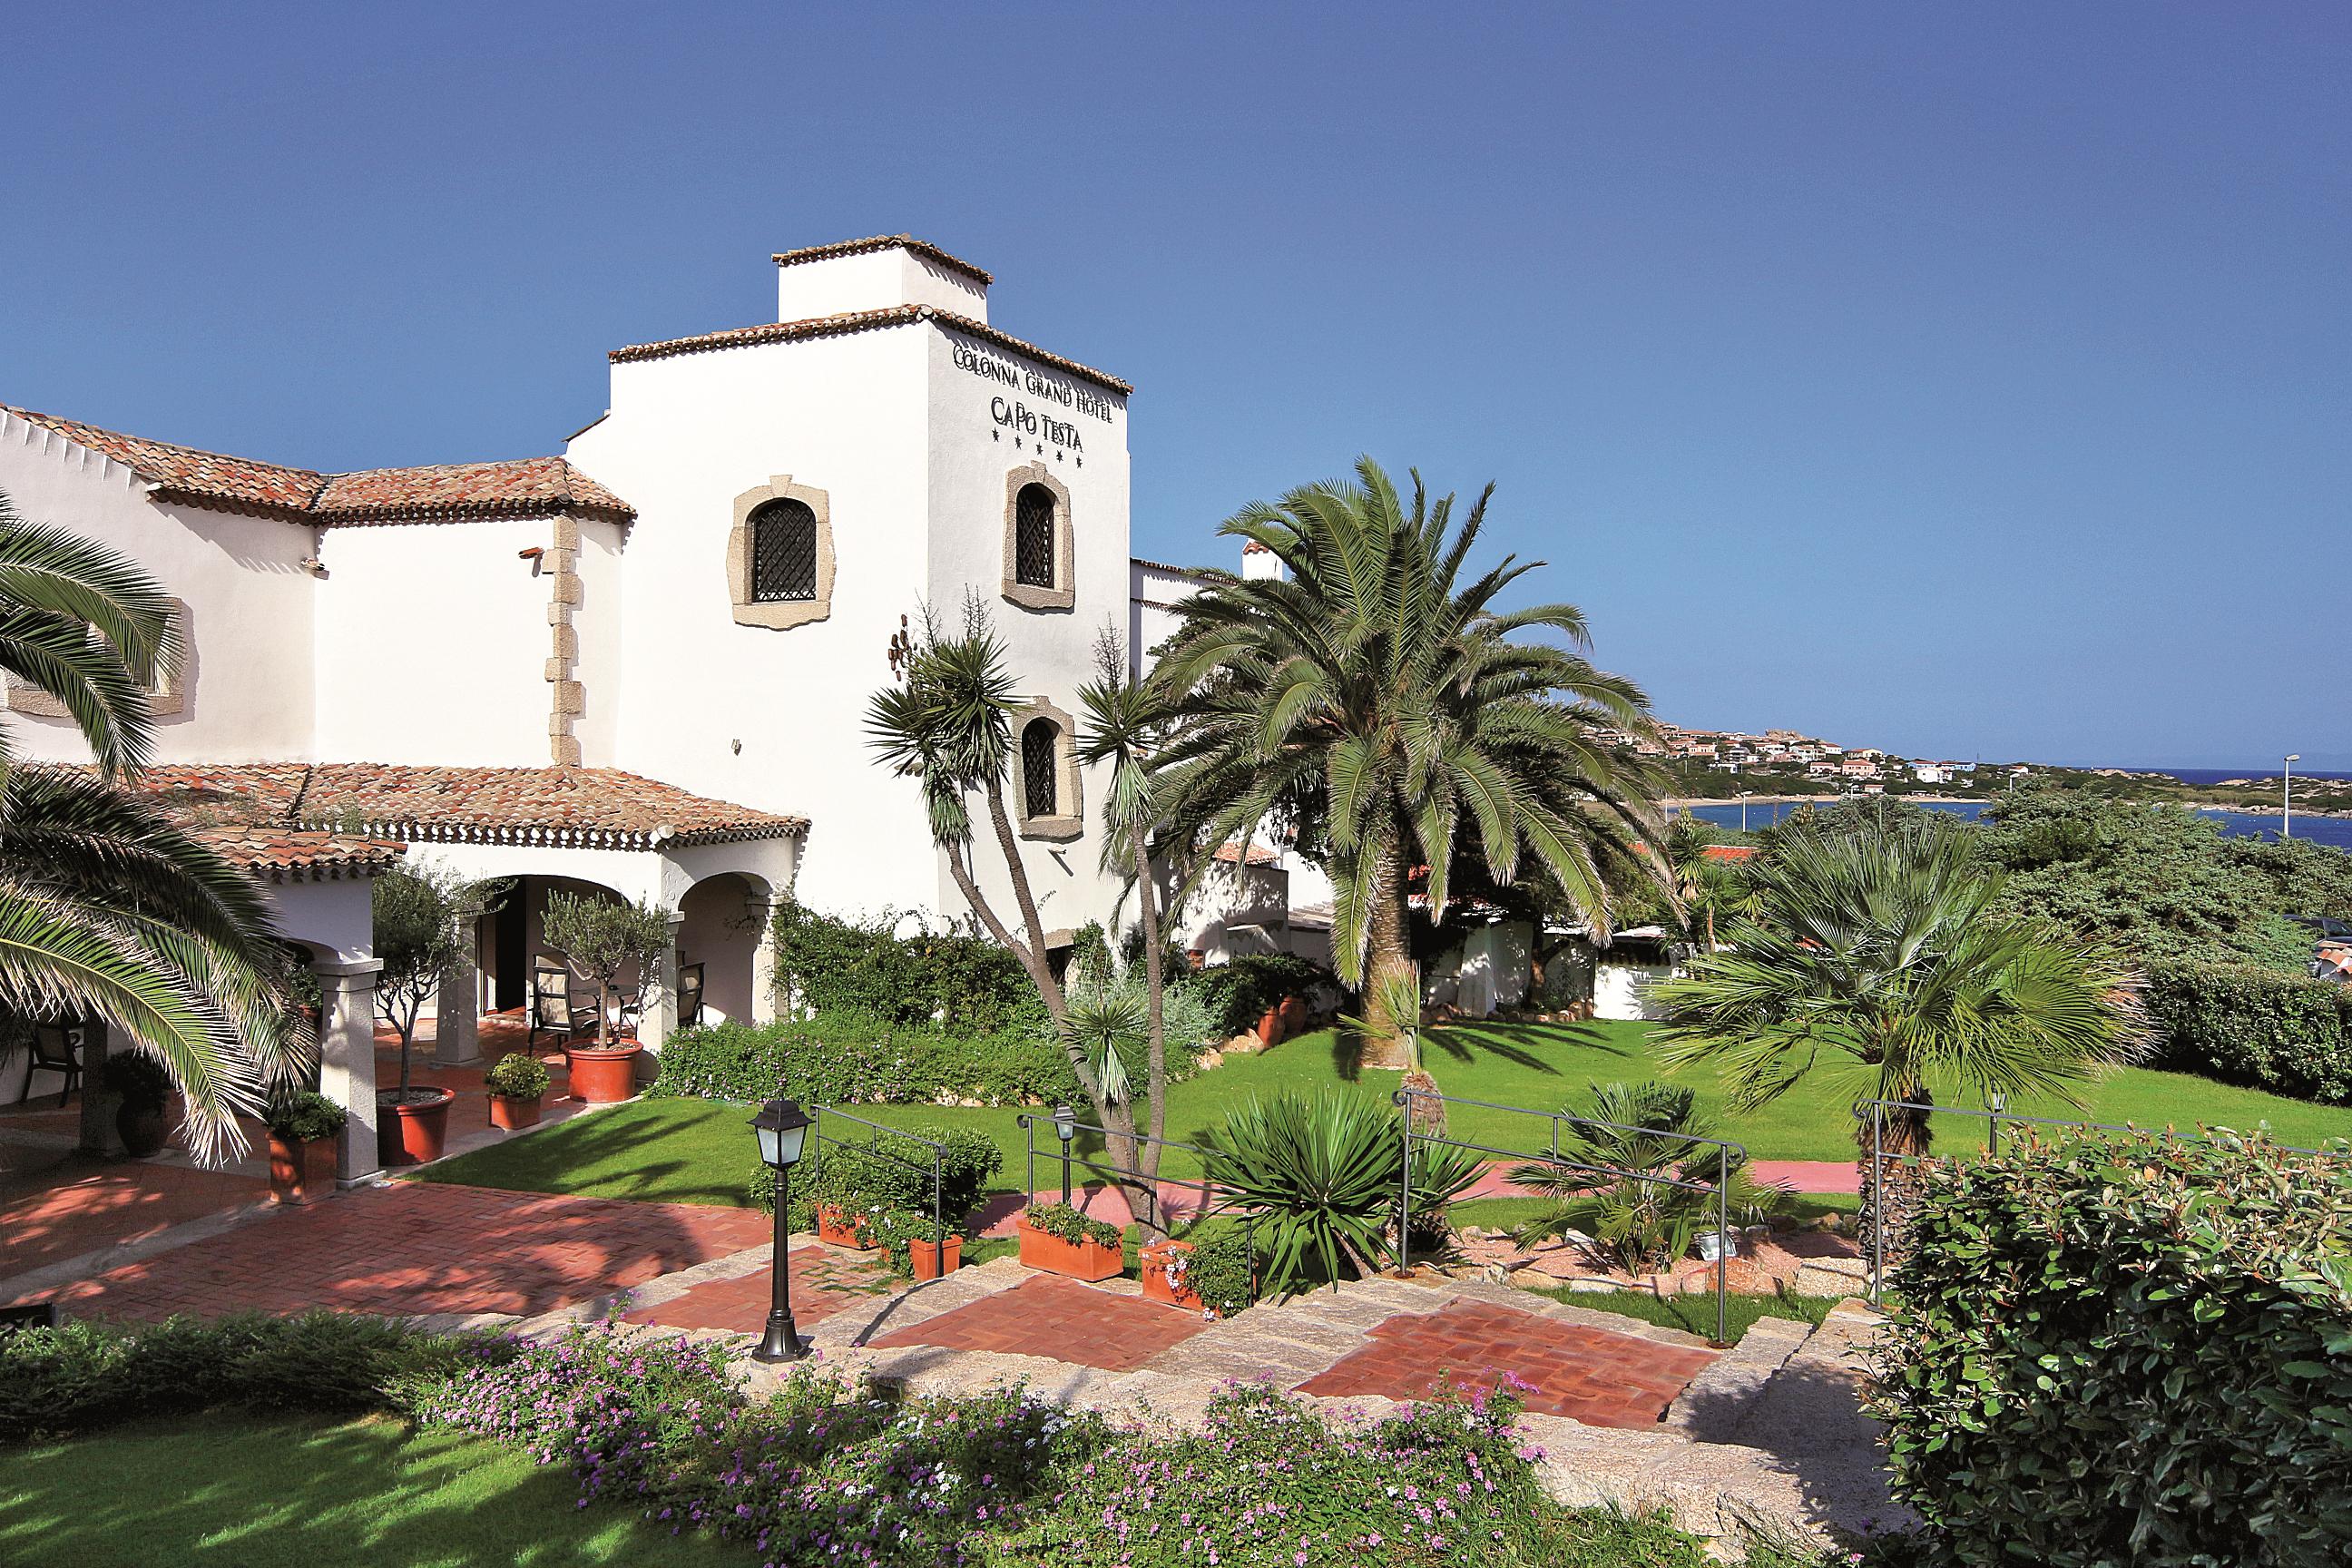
139 1078
304 1116
2244 1023
882 1173
861 1058
962 985
2126 1351
83 1376
1239 993
1223 1269
517 1076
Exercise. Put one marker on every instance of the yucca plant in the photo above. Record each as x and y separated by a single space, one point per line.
1614 1181
1321 1174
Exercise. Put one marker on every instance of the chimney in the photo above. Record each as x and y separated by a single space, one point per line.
1257 561
858 275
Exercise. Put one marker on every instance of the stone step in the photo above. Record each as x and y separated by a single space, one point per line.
1720 1398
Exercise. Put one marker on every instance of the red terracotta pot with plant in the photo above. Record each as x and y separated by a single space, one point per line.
517 1085
303 1131
603 1075
603 938
837 1227
1294 1015
413 1127
1269 1027
1058 1239
935 1259
1166 1267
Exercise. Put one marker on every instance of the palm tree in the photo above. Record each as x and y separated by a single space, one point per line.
1878 946
1377 701
108 907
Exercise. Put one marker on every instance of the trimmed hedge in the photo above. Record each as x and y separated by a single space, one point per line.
856 1059
2127 1352
2243 1024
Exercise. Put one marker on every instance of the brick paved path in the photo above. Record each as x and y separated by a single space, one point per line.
413 1248
1591 1375
823 1279
1058 1317
81 1206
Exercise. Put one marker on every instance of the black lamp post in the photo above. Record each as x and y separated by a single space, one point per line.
1065 1127
782 1129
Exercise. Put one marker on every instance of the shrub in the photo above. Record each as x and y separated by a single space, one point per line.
84 1375
2127 1351
304 1116
884 1172
1222 1271
139 1078
1239 993
1321 1174
1063 1223
962 984
857 1058
2243 1024
517 1076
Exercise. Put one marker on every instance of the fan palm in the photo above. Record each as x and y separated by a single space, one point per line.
1877 948
1377 699
108 907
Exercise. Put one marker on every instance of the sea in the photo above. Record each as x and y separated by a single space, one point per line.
2334 830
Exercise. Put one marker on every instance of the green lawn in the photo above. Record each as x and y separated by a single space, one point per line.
246 1493
696 1151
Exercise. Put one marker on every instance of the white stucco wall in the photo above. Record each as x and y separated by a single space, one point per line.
247 684
875 280
432 645
1153 592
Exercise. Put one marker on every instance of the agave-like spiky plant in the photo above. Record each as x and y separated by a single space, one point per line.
1381 699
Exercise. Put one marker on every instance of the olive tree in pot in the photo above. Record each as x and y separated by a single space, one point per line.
602 938
421 915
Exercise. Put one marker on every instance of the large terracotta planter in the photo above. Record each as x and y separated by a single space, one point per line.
299 1172
837 1227
143 1129
931 1260
416 1132
1294 1015
511 1112
604 1075
1086 1260
1269 1027
1153 1262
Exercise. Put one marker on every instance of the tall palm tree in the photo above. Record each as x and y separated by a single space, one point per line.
1378 700
108 907
1876 947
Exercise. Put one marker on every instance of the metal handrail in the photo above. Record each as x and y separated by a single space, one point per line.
1721 1186
817 1113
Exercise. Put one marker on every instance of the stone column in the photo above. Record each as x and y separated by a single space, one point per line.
98 1134
347 1060
658 1015
457 1005
764 1000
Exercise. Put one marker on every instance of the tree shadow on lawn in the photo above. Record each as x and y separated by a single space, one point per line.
630 1152
1509 1042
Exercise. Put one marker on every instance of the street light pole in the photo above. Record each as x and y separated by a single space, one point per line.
782 1128
2286 796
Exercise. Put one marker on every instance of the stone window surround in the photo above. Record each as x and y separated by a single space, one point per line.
778 615
1069 818
163 701
1064 593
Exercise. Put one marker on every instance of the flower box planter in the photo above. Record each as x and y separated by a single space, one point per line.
513 1112
604 1075
300 1171
838 1227
1162 1282
935 1259
412 1131
1086 1260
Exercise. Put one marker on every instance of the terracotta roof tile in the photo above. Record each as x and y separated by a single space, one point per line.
243 811
524 486
860 321
908 242
302 855
1259 854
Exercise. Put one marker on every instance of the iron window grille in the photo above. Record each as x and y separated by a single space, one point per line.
783 552
1032 536
1039 767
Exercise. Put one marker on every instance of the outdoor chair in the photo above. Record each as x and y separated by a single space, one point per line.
690 996
552 1011
628 1009
56 1048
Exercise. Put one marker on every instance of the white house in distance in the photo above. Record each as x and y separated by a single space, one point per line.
641 664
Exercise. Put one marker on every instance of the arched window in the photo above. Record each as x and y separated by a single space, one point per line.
1032 536
1040 766
783 552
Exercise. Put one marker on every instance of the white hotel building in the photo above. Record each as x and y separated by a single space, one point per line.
643 664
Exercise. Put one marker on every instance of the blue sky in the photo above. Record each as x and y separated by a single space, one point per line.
1967 380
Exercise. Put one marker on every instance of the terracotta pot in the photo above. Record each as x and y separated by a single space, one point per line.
299 1172
416 1132
1269 1027
1294 1015
837 1227
143 1129
512 1112
1086 1260
1154 1260
933 1259
604 1075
